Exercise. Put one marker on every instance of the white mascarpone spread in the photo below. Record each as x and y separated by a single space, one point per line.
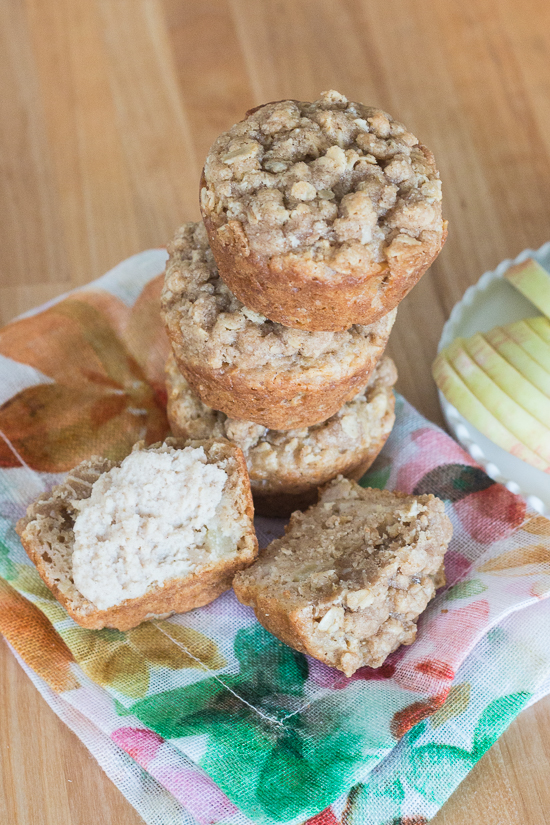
144 523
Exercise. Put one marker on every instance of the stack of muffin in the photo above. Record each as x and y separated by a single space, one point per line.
318 218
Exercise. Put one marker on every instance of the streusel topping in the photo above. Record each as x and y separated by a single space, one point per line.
330 175
221 332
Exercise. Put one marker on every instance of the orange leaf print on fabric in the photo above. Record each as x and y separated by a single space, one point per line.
537 526
124 660
436 669
102 401
456 703
504 564
33 637
171 645
107 659
73 341
541 588
410 716
145 336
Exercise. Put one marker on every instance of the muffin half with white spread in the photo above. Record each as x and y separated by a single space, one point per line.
162 532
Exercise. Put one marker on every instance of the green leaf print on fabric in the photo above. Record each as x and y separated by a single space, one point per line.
7 568
416 732
497 635
386 798
271 752
271 676
245 713
434 770
267 664
433 767
377 476
317 755
10 550
495 719
465 590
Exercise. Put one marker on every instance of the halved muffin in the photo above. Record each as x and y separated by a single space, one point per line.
347 582
162 532
287 467
321 215
245 365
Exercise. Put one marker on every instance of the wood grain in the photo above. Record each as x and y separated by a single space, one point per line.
109 107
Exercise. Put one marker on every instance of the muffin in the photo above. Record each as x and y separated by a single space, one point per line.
164 531
247 366
350 578
287 467
321 215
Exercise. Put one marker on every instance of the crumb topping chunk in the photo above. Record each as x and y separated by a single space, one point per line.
216 329
323 179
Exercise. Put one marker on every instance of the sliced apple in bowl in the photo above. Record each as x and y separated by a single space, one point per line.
501 340
491 394
458 393
509 379
533 281
493 374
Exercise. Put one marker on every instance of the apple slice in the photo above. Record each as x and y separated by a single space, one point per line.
533 281
461 397
541 326
508 378
518 358
522 334
521 423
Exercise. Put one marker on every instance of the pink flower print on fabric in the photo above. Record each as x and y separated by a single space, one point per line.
457 566
139 743
492 514
452 633
197 793
329 677
326 817
433 448
325 676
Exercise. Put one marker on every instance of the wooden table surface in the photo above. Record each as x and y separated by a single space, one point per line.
108 109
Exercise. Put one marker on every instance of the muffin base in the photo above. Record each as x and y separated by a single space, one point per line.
284 405
278 401
287 468
308 294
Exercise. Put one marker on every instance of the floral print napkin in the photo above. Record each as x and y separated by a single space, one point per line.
206 717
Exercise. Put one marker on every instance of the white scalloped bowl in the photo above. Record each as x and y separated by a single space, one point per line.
493 302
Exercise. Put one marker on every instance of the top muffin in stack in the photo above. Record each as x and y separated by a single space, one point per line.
321 215
318 219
